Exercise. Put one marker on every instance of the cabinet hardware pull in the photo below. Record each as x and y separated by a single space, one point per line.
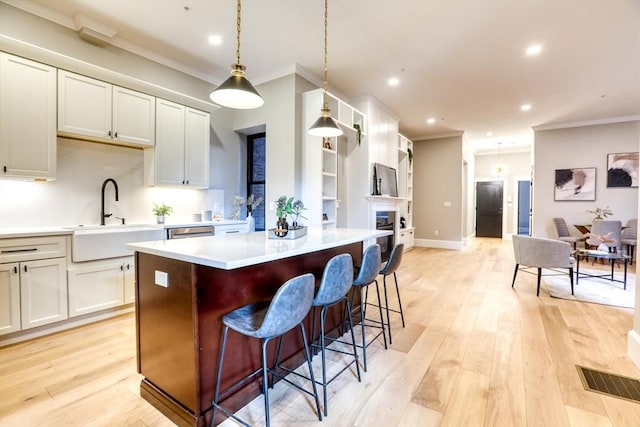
115 135
10 251
5 169
128 267
109 133
234 231
122 268
25 268
15 270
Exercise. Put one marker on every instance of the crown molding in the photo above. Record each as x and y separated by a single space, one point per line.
605 121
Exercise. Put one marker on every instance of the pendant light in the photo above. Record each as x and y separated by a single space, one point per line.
325 126
237 91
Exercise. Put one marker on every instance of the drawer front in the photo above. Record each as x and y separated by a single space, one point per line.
231 229
32 248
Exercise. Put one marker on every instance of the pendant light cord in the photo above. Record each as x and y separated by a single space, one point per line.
326 55
239 11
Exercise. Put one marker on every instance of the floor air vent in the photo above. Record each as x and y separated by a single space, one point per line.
610 384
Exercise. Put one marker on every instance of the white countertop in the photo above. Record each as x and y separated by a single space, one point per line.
12 233
240 250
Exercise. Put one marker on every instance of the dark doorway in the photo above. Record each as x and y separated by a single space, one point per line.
256 174
489 209
524 207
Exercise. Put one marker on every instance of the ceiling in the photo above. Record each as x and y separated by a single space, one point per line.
461 62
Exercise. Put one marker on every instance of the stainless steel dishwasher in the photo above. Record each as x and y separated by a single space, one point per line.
184 232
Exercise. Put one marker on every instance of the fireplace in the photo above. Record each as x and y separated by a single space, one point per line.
386 220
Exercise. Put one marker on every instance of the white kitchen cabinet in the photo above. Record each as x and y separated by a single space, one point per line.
231 229
9 298
99 111
43 292
39 266
181 154
27 118
98 285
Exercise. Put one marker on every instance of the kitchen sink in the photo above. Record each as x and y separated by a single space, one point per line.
92 242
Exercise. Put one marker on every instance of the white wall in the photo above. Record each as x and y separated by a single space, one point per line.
581 147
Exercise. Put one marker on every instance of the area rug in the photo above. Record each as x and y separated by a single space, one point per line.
594 290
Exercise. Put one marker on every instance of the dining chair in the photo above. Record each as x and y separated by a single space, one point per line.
602 227
563 233
629 238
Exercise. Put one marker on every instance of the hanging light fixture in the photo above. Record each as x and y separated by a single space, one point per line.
237 91
325 126
499 169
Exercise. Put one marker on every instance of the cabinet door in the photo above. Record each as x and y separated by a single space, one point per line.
43 292
129 281
27 118
169 151
197 126
84 106
95 286
133 117
9 298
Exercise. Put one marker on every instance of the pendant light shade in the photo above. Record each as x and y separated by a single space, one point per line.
237 91
325 126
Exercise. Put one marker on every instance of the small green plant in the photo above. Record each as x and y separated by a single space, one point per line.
162 209
358 129
410 154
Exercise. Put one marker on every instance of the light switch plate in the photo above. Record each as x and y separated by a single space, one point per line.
162 279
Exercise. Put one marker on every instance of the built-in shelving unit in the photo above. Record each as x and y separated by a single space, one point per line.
405 188
322 180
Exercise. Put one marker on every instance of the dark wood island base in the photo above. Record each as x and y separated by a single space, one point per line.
179 328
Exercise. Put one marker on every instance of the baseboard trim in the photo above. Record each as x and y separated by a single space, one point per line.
440 244
633 346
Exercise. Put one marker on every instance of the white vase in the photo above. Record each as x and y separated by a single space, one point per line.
603 247
252 222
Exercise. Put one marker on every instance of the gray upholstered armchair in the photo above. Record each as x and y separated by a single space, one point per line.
539 253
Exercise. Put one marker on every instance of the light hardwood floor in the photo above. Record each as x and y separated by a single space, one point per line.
474 353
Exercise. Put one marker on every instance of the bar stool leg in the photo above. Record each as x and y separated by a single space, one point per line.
323 316
216 395
386 304
313 381
265 382
395 279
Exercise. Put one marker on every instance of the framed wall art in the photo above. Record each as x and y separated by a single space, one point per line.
575 184
622 170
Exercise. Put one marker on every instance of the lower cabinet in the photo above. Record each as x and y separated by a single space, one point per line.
230 229
98 285
407 237
32 293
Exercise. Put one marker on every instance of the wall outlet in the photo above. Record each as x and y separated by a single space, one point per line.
437 232
162 279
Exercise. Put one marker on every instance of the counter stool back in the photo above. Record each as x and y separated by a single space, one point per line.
391 267
267 320
367 275
334 287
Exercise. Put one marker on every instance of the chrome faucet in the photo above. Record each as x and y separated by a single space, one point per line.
104 185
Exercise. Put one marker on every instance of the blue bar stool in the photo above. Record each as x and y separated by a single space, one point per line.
267 320
334 286
390 268
367 274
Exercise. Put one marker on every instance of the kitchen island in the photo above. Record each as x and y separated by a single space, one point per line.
184 287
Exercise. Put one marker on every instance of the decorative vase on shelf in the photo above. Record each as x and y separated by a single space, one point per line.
160 219
252 222
282 227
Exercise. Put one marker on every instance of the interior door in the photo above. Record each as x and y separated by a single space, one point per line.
524 207
489 209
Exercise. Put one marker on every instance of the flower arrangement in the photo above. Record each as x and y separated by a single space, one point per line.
605 238
252 202
600 213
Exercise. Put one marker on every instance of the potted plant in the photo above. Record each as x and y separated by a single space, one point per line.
296 213
284 207
600 213
161 211
252 203
410 155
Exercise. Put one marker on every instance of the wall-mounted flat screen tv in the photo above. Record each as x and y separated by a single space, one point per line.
385 181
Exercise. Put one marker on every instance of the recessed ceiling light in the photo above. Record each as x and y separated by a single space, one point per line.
489 134
393 81
525 107
215 40
431 120
534 49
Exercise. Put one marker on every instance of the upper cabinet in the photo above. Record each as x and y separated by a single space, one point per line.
27 118
181 154
95 110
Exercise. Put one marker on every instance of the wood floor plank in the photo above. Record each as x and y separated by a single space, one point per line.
474 352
